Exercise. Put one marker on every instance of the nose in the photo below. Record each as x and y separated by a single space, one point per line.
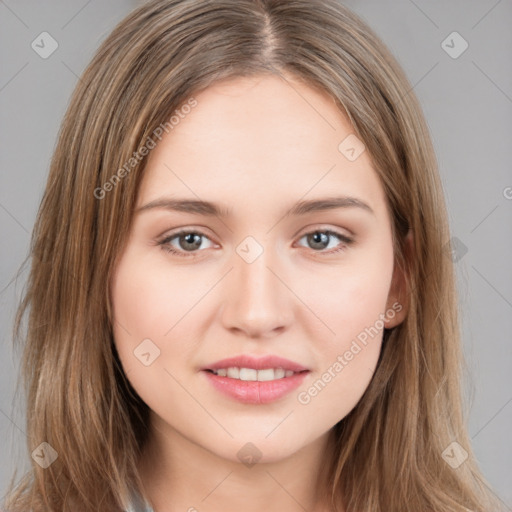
258 302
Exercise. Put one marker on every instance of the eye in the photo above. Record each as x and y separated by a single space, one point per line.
190 241
320 240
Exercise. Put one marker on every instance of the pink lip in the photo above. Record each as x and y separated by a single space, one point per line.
259 363
255 392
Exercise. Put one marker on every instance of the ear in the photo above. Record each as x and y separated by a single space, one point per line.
398 298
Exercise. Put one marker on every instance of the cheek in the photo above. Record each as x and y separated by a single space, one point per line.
346 359
349 299
350 356
139 301
352 306
147 303
148 298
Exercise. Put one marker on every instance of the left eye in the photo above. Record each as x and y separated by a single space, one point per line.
189 241
321 237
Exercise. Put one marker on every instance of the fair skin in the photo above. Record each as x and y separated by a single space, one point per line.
256 146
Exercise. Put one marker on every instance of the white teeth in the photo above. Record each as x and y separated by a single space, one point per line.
279 373
264 375
234 373
250 374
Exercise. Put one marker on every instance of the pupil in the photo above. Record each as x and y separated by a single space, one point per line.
189 239
320 238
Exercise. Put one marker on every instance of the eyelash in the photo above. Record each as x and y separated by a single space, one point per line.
168 248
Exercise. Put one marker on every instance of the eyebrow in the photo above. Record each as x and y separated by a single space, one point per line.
208 208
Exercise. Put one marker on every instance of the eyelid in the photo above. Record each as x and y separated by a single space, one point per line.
326 228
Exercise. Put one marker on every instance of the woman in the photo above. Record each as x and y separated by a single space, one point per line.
303 352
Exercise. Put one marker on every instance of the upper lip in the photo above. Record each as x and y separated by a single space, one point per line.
257 363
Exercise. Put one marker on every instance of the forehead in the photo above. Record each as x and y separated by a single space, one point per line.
264 112
259 137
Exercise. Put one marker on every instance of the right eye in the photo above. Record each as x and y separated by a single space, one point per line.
192 240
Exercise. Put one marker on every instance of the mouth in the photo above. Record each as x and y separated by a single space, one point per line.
247 363
253 375
252 380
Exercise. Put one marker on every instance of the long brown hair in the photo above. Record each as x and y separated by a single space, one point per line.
389 452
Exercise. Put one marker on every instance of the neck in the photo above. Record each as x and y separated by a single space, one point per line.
180 475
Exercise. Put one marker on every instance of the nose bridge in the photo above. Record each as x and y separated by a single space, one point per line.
256 300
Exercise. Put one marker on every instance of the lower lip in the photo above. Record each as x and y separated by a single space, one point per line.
256 392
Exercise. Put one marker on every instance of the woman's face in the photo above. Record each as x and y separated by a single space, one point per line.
287 253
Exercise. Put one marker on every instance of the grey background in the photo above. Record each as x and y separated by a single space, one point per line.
468 105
